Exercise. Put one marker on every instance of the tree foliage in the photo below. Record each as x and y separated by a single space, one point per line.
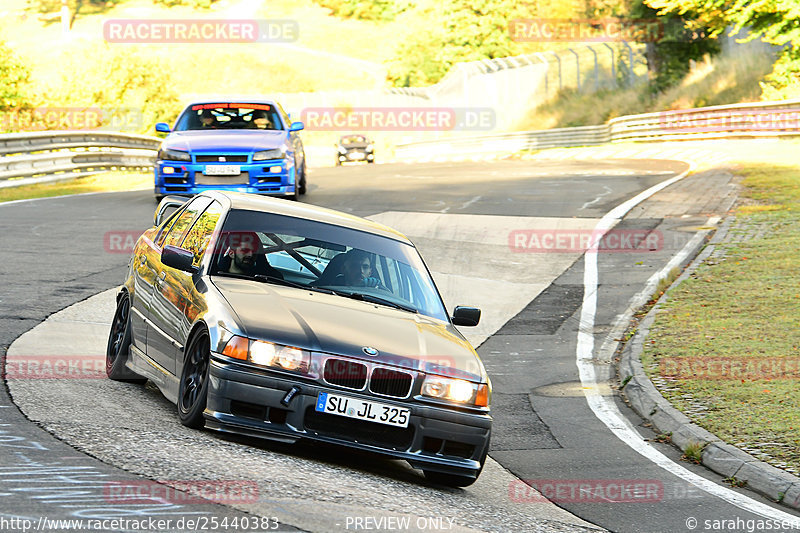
366 10
459 30
774 21
14 77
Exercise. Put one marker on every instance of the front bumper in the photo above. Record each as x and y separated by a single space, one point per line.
355 155
275 177
436 439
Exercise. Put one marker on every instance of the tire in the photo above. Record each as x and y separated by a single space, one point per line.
302 181
119 343
338 163
193 387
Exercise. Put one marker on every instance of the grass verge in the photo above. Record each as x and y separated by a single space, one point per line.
731 329
105 182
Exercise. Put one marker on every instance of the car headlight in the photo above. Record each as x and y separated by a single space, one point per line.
456 390
268 354
370 147
275 153
342 150
173 155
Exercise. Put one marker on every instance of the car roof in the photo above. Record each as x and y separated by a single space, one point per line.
254 202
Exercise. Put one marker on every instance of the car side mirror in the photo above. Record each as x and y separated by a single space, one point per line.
297 126
466 316
178 258
163 127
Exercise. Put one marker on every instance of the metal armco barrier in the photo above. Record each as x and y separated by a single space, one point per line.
757 120
47 156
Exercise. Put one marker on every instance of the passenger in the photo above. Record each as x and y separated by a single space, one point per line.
260 120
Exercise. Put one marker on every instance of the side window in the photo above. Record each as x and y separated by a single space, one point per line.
181 225
196 240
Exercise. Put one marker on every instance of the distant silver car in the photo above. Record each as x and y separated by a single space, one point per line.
287 321
354 148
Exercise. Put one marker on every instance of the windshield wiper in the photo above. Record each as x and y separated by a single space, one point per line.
376 300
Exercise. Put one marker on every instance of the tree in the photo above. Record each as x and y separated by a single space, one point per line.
13 79
774 21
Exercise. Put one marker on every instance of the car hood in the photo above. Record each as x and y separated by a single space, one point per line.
225 140
333 324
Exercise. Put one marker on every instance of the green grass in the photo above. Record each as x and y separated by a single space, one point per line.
105 182
746 305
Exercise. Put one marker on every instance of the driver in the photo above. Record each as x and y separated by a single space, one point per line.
207 119
357 270
246 254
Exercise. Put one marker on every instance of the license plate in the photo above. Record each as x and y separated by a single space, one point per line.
356 155
380 413
222 170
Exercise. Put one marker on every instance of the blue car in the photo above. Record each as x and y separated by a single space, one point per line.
249 146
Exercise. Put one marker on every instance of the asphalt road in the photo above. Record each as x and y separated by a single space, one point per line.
55 255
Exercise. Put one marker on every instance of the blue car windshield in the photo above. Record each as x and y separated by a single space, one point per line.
327 257
229 116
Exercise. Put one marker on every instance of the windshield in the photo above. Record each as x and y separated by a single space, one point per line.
229 116
323 257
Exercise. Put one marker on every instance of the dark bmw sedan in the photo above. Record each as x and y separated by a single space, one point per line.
286 321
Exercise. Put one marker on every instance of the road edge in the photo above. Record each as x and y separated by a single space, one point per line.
717 455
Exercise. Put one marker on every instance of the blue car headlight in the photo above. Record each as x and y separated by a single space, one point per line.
264 155
165 154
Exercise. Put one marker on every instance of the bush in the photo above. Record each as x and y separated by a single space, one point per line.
117 80
385 10
14 78
463 31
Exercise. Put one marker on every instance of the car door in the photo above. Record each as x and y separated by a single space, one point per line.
191 291
163 340
144 267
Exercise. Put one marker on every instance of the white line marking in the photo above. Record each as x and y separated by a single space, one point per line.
470 202
608 191
604 408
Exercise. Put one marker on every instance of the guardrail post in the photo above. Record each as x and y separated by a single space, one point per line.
577 68
596 71
613 64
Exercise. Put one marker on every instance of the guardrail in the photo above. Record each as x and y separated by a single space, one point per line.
48 156
757 120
